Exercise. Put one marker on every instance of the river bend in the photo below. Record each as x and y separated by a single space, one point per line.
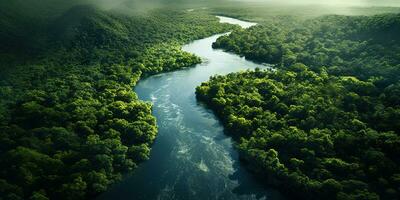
191 157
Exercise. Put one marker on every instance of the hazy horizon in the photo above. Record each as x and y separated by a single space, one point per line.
391 3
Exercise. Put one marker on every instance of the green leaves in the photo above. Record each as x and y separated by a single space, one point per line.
308 133
333 114
70 122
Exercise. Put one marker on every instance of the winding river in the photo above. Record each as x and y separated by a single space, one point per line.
191 158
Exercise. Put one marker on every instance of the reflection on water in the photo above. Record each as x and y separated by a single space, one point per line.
241 23
191 157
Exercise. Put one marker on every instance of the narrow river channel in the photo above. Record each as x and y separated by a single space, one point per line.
191 158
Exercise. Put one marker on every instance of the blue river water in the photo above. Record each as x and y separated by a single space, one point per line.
191 158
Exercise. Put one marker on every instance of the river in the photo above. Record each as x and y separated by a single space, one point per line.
191 158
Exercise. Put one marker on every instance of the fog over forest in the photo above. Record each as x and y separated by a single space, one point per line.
332 2
36 8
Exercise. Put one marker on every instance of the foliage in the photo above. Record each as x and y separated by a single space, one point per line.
364 47
326 129
71 124
261 11
309 133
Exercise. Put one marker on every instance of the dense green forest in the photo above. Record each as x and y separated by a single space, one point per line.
70 123
259 11
325 123
345 45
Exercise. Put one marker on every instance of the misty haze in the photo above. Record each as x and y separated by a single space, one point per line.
200 99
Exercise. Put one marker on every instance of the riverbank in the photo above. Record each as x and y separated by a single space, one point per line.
191 158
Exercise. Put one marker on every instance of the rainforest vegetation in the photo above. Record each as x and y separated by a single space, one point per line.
325 123
70 123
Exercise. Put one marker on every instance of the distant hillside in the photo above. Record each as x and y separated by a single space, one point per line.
24 23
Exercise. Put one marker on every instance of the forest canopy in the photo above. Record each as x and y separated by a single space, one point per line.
325 123
70 123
